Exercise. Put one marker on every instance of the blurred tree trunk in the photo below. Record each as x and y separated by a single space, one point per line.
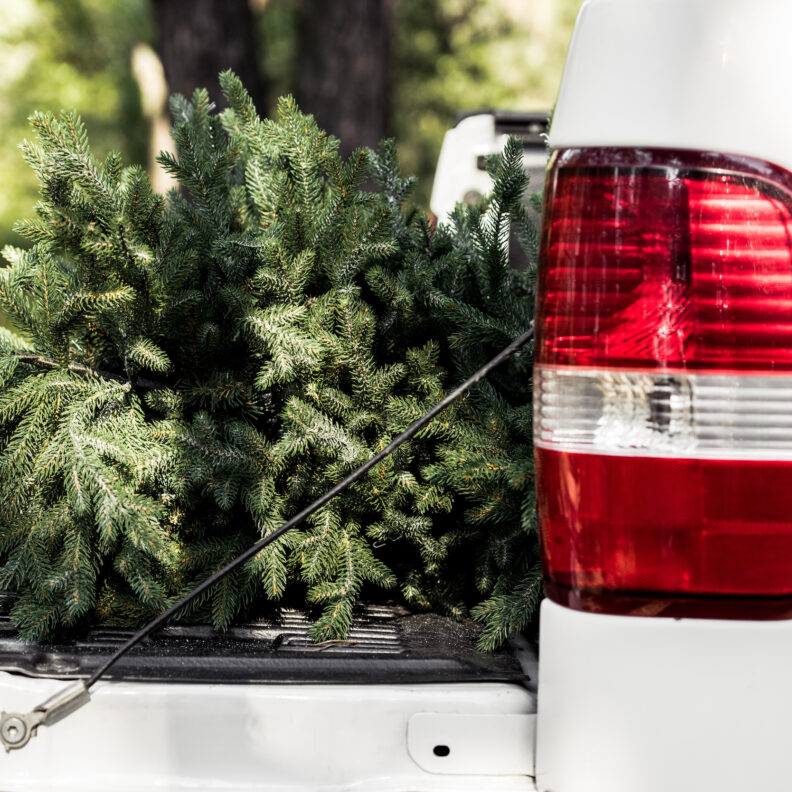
200 38
344 68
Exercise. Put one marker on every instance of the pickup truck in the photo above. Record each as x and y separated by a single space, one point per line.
664 459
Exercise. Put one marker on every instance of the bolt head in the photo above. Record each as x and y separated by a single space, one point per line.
13 730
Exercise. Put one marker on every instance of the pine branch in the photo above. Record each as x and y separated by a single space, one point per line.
87 371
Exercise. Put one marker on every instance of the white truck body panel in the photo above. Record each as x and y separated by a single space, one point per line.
641 704
637 704
456 175
141 736
709 75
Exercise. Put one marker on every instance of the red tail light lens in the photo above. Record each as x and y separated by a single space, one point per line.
663 384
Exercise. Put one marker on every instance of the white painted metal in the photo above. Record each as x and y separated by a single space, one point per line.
133 737
457 177
632 704
710 75
454 744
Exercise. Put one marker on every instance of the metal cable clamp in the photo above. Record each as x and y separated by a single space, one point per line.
16 729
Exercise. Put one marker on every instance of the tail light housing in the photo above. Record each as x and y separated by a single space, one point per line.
663 384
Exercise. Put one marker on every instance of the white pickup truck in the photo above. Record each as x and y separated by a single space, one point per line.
663 431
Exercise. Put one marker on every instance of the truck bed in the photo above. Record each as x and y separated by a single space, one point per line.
387 645
407 703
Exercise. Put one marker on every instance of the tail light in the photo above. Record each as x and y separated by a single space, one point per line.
663 384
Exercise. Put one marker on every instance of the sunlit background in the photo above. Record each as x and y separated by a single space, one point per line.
108 59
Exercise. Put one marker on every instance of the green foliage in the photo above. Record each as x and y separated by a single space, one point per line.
448 56
467 290
186 373
67 53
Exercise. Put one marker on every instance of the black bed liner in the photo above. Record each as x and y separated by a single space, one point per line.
386 646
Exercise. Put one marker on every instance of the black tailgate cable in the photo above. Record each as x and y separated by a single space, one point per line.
16 729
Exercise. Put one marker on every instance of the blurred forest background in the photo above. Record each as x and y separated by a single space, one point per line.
365 68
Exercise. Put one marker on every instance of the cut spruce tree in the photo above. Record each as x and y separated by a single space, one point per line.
184 373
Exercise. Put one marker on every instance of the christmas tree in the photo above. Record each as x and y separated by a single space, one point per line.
186 372
462 280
